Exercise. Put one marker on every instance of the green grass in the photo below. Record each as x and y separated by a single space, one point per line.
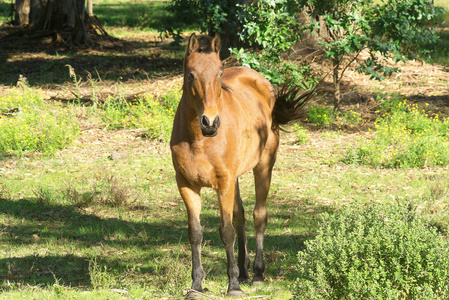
154 115
83 225
55 243
36 126
149 15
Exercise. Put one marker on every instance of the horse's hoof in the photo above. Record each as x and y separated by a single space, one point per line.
235 293
192 294
244 281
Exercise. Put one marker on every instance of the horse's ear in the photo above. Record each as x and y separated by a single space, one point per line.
216 43
193 44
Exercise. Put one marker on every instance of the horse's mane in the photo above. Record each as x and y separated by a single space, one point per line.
205 44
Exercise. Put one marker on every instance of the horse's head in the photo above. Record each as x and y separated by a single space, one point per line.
202 80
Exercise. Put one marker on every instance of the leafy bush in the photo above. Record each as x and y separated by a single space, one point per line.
320 115
212 16
154 115
405 137
376 252
37 127
273 26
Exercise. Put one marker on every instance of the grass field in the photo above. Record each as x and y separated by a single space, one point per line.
101 218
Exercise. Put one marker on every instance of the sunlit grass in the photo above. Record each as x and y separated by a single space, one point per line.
35 126
405 137
155 116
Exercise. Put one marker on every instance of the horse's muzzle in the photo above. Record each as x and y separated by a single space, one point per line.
209 128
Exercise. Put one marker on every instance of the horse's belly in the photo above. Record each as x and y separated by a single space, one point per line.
251 150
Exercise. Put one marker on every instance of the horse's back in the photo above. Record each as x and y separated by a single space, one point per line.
249 104
250 84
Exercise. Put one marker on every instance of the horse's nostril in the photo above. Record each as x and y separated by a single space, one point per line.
205 121
217 122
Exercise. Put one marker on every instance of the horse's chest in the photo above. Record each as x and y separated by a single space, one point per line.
195 167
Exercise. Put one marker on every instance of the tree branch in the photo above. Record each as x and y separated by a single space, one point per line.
347 65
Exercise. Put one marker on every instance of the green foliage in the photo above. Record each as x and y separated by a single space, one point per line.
273 26
440 53
154 115
374 252
405 137
320 115
393 28
414 35
37 127
213 16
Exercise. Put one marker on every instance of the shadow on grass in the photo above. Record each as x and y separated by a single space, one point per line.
68 270
60 228
53 70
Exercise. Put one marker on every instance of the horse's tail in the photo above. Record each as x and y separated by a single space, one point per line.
289 104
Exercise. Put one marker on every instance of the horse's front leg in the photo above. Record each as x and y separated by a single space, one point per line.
226 198
191 196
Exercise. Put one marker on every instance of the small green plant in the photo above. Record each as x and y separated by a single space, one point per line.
153 115
301 134
381 251
351 117
405 137
320 115
175 274
78 199
102 276
37 126
43 195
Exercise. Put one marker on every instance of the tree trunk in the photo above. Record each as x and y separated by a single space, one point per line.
61 16
22 12
90 8
336 77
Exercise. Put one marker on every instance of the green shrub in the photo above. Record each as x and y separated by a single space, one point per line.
212 16
38 127
320 115
154 115
405 137
273 26
376 252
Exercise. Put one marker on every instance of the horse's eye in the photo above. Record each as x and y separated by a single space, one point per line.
191 77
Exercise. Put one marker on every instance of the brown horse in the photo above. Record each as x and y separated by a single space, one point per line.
227 124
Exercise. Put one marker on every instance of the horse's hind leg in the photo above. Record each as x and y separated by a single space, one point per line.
262 178
192 201
239 223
